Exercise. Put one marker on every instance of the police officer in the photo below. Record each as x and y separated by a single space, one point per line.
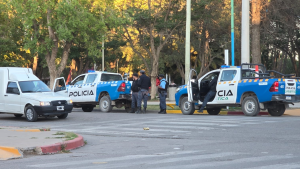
162 94
144 83
212 92
135 91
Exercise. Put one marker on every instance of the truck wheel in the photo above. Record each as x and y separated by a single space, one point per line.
18 115
30 114
63 116
213 111
87 108
187 108
250 106
105 104
278 111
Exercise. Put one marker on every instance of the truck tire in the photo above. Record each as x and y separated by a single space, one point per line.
278 111
213 111
87 108
187 108
30 114
105 104
250 106
18 115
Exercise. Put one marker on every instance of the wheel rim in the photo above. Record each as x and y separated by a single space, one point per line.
250 106
29 114
105 104
186 106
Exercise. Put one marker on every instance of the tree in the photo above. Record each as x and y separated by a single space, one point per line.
256 7
53 27
153 24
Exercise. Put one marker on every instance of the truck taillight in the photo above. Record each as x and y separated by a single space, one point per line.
274 87
122 87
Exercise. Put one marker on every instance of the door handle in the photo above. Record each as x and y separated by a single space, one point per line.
5 95
92 85
231 84
66 91
79 86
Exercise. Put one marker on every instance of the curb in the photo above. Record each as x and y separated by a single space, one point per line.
67 145
10 153
221 113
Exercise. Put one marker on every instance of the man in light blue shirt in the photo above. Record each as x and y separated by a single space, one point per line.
162 89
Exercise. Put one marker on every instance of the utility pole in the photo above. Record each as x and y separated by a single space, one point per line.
245 32
232 32
187 41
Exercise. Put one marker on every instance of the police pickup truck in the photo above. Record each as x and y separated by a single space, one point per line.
250 86
96 88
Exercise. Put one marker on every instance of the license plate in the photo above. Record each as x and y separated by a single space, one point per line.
288 97
60 108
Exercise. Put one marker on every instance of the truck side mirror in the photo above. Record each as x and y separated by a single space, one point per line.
57 89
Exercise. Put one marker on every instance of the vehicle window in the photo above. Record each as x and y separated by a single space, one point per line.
12 88
33 86
79 80
228 75
211 76
110 77
59 85
249 73
91 78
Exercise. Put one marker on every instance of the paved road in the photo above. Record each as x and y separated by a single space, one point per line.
117 140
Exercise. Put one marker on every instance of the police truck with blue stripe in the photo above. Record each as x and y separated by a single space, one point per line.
97 88
249 86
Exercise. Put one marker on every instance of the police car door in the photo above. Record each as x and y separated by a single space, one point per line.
89 88
192 82
60 86
227 86
75 88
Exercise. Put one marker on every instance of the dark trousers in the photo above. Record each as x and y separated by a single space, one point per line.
142 95
162 100
134 99
209 95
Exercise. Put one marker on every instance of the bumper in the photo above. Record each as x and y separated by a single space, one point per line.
125 96
284 98
52 110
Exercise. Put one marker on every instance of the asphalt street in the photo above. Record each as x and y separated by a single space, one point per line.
118 140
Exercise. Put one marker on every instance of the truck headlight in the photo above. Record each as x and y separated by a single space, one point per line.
70 101
177 90
45 103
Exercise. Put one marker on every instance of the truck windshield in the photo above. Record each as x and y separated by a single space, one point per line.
33 86
111 77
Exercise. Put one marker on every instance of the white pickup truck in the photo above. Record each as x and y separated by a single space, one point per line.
21 92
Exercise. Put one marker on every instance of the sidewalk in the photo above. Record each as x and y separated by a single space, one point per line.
16 142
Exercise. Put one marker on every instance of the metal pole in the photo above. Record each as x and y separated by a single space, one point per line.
232 32
226 57
187 40
245 32
102 53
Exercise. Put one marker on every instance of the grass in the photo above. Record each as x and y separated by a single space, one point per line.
66 135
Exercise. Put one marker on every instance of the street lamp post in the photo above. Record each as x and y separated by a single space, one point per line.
187 41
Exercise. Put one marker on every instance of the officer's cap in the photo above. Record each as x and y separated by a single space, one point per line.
161 75
142 71
135 74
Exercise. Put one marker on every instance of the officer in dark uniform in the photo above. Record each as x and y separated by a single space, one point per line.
135 91
144 83
162 94
212 92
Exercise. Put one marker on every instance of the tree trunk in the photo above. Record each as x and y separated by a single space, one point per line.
255 46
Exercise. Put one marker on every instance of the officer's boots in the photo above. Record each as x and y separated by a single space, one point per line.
138 110
160 111
163 112
144 110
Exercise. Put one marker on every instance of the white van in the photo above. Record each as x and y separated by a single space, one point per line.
21 92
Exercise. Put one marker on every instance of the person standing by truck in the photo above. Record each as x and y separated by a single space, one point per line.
212 92
144 83
135 91
162 88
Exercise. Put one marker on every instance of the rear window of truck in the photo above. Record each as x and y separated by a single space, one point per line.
110 77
